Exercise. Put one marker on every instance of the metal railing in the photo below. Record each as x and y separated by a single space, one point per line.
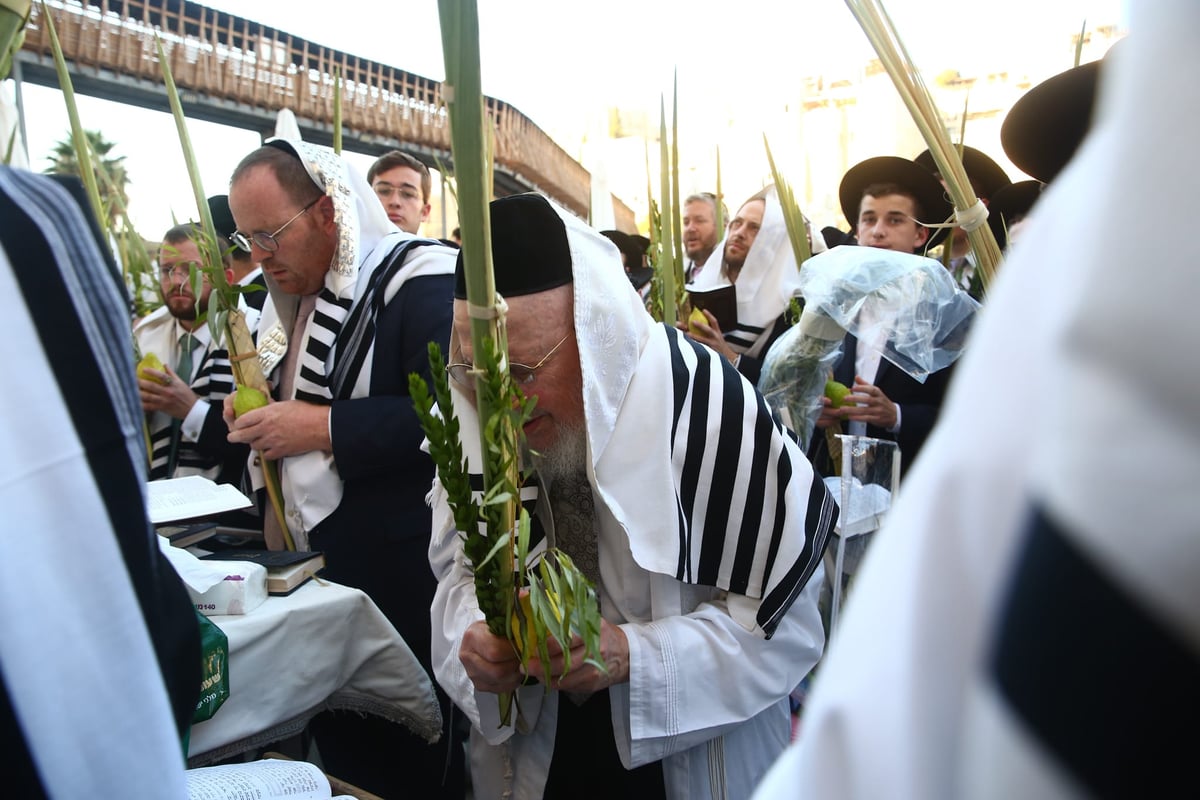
234 60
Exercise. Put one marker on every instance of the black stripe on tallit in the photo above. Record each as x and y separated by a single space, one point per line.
320 318
760 455
86 342
820 517
726 468
681 381
358 331
1108 689
318 349
681 378
315 399
536 532
736 340
697 438
310 374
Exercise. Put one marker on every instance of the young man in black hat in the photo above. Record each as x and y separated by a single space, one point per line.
890 198
663 475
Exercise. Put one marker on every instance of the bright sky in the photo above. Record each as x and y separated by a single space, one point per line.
564 63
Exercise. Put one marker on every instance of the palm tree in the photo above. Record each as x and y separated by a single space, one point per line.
111 175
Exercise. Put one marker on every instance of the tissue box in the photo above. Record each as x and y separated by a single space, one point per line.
243 589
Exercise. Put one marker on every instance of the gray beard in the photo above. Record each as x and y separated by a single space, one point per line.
568 455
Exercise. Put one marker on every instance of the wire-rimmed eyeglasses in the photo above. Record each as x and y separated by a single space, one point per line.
464 374
385 190
268 241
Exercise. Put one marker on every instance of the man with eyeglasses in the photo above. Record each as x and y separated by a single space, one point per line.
403 184
184 401
662 473
353 305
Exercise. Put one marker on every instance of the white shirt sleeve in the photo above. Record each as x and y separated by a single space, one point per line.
694 676
193 423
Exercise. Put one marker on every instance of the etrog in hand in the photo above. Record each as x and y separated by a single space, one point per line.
246 399
522 625
697 315
151 361
836 392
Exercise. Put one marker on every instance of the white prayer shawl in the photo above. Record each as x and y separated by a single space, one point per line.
910 703
312 488
75 653
660 560
767 282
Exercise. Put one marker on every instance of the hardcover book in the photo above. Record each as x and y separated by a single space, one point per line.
286 569
186 535
721 303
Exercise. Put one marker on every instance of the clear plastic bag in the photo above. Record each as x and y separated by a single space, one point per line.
794 370
905 305
909 303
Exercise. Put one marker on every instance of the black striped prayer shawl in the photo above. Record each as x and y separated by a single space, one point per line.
739 449
697 374
351 327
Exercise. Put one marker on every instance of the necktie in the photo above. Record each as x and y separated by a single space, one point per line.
287 370
574 513
183 368
574 524
272 530
187 343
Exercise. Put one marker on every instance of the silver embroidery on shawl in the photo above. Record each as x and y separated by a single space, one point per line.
272 347
329 171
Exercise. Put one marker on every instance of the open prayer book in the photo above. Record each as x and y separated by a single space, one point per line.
268 779
173 499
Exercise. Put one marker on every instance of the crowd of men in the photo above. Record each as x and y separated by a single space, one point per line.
335 269
657 465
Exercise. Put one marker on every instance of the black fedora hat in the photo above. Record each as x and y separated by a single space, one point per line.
631 247
1007 206
1044 128
935 208
986 175
835 236
222 217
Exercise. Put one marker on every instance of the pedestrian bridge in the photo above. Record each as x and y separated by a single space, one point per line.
237 72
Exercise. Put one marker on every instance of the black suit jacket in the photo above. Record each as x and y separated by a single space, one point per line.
377 539
919 404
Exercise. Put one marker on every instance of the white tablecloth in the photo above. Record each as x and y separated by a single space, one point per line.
325 646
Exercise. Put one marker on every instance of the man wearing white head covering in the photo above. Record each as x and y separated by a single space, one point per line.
755 256
353 304
1027 624
671 484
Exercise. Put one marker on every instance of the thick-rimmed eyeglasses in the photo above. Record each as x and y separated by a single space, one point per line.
464 374
268 241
